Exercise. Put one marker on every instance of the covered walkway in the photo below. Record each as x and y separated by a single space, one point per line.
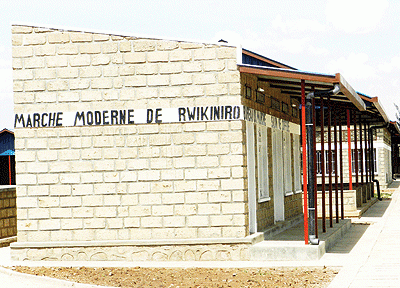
375 259
338 128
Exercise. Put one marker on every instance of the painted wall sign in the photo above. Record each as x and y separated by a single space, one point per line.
128 116
150 116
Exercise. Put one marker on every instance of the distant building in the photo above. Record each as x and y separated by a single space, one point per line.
7 158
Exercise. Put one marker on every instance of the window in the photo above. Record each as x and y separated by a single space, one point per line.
368 159
247 93
285 108
275 104
333 161
365 158
260 97
319 162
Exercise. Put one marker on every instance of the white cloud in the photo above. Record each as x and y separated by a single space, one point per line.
5 80
292 45
318 51
355 16
392 65
297 25
355 66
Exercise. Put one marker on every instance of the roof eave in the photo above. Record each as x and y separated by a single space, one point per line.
377 104
350 93
381 110
345 87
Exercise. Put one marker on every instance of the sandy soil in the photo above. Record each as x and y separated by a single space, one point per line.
189 277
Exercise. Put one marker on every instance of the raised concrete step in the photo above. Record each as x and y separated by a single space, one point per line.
289 245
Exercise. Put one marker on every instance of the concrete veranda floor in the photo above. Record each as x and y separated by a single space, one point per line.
368 254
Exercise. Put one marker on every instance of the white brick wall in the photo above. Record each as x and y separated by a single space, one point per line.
181 180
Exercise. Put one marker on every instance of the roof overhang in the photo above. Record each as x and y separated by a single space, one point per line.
374 106
289 81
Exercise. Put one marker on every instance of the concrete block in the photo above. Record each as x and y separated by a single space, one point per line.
180 55
205 54
68 49
58 37
92 48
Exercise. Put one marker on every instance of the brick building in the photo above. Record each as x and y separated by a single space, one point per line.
144 149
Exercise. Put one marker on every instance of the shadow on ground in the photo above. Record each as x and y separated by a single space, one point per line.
359 226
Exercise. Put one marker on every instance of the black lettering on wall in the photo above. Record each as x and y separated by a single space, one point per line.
44 124
19 120
191 115
122 116
89 118
181 112
130 117
114 117
105 117
36 120
97 117
59 119
29 121
228 113
149 116
79 117
52 119
158 115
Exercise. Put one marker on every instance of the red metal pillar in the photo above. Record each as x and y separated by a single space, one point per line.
330 162
341 168
323 165
336 165
304 141
349 149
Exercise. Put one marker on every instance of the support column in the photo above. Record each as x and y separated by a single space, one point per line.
361 151
341 168
310 168
304 147
330 162
349 149
336 166
371 145
323 165
355 149
367 166
314 120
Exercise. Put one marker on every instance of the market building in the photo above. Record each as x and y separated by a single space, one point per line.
133 148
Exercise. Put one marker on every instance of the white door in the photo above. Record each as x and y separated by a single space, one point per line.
278 175
251 177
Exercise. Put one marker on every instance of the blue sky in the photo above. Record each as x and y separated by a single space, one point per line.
357 38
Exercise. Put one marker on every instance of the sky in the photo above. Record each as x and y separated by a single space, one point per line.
357 38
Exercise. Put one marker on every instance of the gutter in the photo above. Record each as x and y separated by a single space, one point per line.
372 160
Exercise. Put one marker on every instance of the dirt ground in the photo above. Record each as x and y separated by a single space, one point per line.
189 277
